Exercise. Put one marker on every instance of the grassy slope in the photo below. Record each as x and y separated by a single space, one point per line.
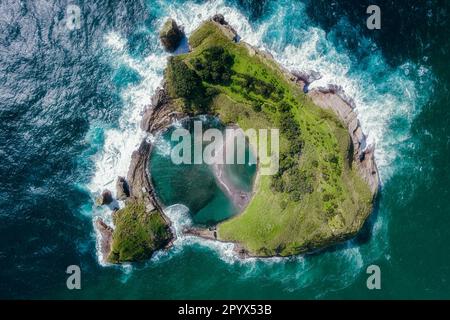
273 223
137 234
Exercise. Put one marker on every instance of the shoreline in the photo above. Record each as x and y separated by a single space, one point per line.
161 114
240 198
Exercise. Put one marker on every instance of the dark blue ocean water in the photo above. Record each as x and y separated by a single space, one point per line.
71 100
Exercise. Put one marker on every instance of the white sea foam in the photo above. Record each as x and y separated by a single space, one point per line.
120 142
180 218
163 146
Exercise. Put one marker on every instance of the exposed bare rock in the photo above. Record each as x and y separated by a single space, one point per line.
171 35
307 77
122 189
105 237
241 252
161 114
211 234
205 233
157 117
219 18
105 198
137 177
227 30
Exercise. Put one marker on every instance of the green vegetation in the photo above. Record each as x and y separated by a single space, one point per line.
291 178
214 66
318 197
137 234
184 83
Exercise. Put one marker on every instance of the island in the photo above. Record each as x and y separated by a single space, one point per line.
327 180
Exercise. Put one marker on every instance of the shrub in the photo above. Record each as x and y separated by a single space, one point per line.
257 86
289 126
137 234
215 65
183 81
276 182
256 106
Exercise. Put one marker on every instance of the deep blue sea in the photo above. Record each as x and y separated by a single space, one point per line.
70 106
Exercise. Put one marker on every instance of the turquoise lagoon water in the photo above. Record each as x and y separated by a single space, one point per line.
195 185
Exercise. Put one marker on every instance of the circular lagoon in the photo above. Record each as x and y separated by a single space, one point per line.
211 192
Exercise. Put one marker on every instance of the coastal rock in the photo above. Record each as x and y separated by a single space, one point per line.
219 18
105 198
122 189
160 98
211 234
141 202
205 233
227 30
137 175
157 117
161 113
369 168
307 76
240 251
105 238
171 35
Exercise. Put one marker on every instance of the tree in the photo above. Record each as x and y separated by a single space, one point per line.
184 82
215 65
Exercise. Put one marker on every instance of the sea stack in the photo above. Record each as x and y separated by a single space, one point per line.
171 35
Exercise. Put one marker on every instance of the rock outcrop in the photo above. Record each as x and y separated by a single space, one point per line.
205 233
105 198
160 114
122 189
137 176
307 77
225 27
105 238
157 117
171 35
211 234
136 188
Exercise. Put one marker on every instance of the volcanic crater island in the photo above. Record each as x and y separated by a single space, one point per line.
327 180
